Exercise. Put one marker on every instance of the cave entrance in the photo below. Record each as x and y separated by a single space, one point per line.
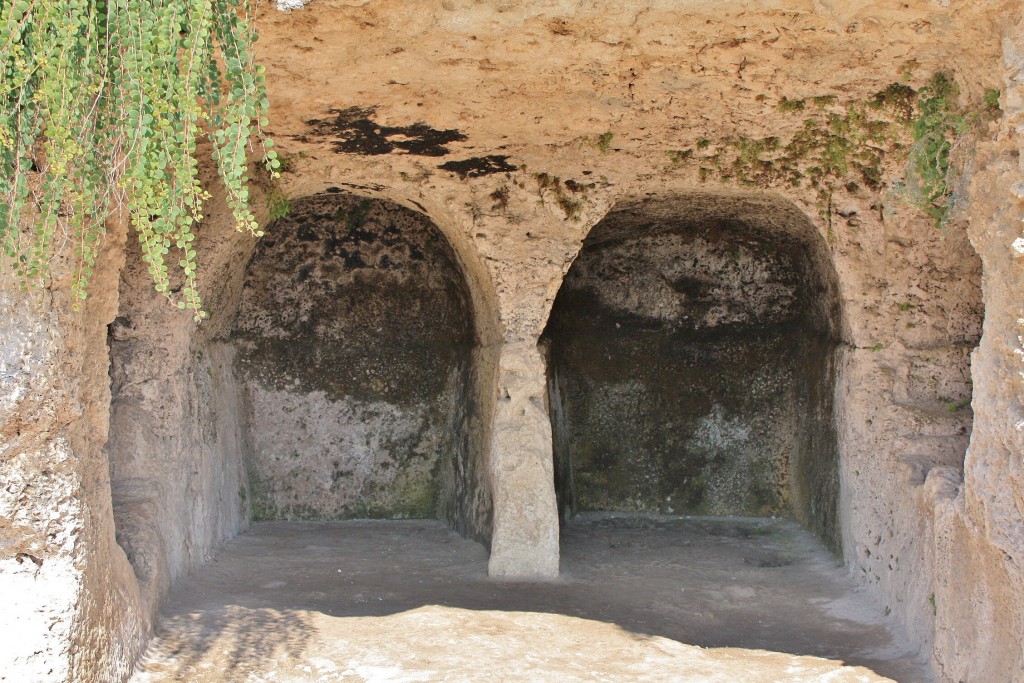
691 364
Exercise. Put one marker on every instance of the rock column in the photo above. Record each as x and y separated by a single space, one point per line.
525 533
526 273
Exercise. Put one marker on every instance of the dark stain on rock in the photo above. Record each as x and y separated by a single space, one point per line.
369 187
391 314
479 166
355 132
769 561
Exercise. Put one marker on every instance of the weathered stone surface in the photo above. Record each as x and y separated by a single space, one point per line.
176 440
354 335
525 541
71 610
691 370
979 529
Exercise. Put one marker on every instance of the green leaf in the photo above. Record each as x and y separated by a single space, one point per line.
152 111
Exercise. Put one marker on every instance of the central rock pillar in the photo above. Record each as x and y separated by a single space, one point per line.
525 533
516 253
527 247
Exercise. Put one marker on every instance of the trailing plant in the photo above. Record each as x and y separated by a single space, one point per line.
103 105
830 150
940 123
843 145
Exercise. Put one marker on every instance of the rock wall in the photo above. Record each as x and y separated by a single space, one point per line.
176 437
71 610
978 517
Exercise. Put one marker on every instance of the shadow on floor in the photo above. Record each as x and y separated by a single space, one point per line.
636 594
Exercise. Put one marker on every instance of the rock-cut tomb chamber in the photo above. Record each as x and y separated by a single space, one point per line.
515 285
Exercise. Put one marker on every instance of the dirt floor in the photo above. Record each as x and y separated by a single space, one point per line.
640 599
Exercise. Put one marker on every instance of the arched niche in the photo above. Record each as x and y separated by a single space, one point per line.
347 369
692 353
355 343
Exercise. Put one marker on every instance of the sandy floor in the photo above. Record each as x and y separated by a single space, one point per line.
640 599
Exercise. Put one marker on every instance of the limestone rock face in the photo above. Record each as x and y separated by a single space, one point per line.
128 448
980 527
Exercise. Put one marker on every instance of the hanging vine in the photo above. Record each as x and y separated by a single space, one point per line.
103 104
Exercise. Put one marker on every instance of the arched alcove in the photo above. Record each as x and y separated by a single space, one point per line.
692 363
345 371
354 339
